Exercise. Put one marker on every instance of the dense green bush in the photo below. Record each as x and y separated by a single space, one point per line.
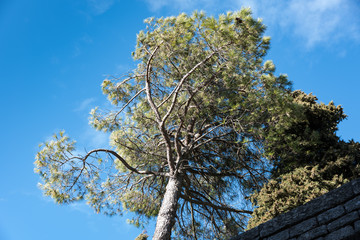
309 159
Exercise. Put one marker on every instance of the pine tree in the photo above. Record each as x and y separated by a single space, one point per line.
187 129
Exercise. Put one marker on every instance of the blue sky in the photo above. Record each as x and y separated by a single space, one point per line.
55 54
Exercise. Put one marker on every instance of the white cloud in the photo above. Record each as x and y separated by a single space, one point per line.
82 207
99 7
182 5
314 22
94 139
80 43
84 105
321 21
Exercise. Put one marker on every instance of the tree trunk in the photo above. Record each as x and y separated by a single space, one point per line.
166 218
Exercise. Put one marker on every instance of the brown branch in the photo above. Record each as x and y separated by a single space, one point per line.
126 79
137 94
213 174
223 207
122 160
193 221
175 92
77 178
147 84
157 114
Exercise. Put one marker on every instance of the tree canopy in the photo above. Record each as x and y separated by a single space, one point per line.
308 158
187 129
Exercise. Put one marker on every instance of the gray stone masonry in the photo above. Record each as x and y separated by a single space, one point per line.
332 216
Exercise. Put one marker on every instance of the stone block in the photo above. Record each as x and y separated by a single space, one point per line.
274 225
356 186
324 202
313 233
338 195
357 226
343 221
283 235
250 234
341 233
331 214
303 227
352 204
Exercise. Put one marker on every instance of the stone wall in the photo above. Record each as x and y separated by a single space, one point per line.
333 216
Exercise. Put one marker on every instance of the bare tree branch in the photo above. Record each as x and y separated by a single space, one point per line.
147 83
222 207
137 94
122 160
175 92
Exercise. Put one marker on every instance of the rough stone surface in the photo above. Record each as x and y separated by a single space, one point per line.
303 227
331 214
252 234
356 186
357 226
339 195
342 233
344 220
313 233
270 227
284 235
334 215
353 204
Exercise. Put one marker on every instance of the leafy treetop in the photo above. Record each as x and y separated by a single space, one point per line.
187 130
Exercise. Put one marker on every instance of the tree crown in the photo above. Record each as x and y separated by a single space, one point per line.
195 110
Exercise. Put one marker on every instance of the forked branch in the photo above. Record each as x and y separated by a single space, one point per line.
122 160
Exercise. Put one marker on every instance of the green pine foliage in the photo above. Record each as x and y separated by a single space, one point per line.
290 191
142 236
307 134
195 110
309 158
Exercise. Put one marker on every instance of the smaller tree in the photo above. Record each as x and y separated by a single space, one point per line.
309 158
306 136
292 189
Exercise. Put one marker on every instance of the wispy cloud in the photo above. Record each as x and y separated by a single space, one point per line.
182 5
323 21
80 44
99 7
84 105
315 22
82 207
94 139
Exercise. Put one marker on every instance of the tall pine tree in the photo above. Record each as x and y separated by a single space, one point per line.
187 129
